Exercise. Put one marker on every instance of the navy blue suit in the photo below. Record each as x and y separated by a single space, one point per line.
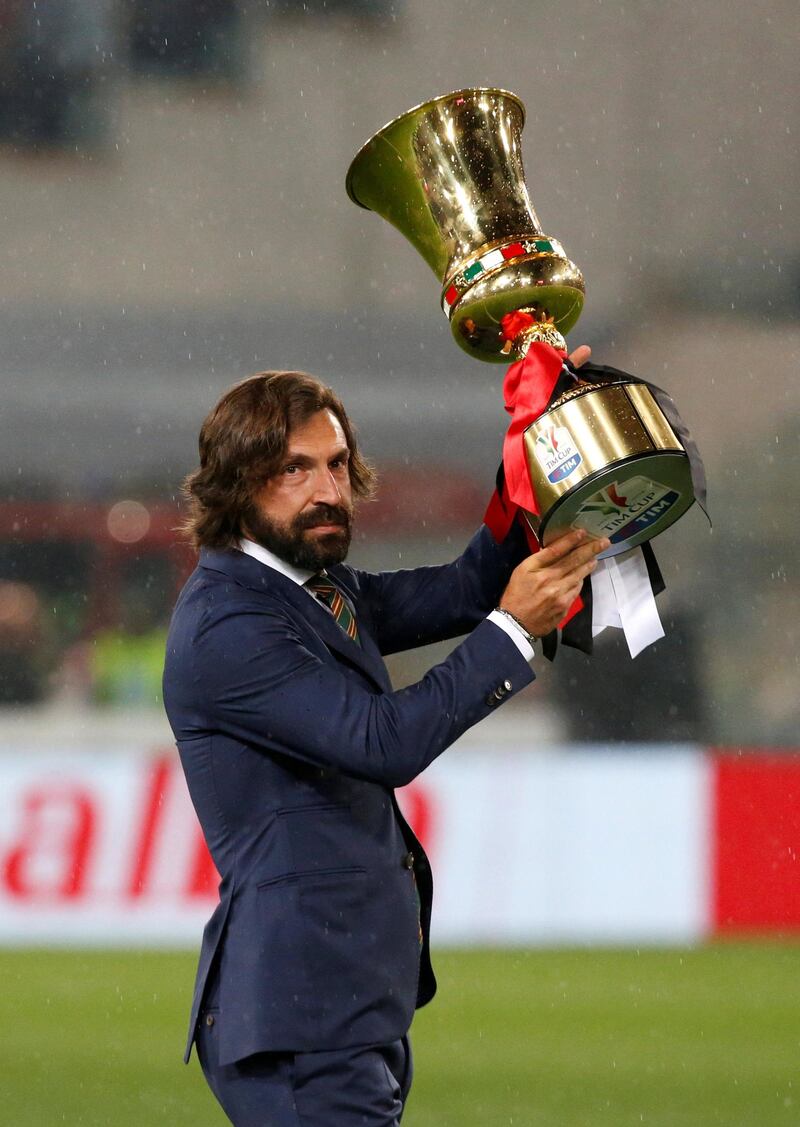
292 741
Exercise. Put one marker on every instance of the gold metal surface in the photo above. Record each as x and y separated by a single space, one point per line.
542 329
449 175
653 418
601 436
601 426
580 388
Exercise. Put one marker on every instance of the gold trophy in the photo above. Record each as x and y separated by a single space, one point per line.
449 175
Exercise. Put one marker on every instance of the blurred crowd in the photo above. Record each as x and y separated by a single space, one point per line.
82 625
59 58
87 589
85 603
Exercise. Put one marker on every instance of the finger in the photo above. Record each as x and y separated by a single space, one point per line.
578 558
574 589
586 553
562 604
570 598
558 549
580 355
570 588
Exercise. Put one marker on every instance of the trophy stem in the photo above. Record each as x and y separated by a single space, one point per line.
524 326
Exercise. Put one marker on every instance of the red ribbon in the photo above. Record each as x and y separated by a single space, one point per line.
527 390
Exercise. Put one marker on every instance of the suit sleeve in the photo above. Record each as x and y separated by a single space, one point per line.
411 608
261 684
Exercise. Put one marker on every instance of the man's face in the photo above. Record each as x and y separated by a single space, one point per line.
304 512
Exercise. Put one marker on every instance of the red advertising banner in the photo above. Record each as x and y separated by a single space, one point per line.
597 845
107 848
755 842
103 847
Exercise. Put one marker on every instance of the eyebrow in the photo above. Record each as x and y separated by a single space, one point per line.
297 459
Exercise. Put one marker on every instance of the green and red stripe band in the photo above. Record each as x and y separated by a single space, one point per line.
491 260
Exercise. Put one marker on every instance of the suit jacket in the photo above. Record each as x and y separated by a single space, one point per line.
292 742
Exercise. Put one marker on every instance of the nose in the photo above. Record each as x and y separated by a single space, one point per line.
326 489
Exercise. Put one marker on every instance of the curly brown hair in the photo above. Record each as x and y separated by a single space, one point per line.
242 443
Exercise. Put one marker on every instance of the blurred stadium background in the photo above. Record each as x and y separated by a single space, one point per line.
172 188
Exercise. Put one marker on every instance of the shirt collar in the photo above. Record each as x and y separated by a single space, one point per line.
297 575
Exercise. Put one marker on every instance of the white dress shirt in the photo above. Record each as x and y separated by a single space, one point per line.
298 575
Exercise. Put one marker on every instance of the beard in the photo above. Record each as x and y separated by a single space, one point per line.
292 543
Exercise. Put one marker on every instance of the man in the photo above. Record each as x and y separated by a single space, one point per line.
293 741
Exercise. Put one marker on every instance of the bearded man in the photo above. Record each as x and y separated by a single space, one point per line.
292 741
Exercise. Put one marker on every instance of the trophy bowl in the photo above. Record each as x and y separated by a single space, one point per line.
449 175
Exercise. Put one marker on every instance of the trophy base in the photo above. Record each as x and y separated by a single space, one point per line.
605 459
629 503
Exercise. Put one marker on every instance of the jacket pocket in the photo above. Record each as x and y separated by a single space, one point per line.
309 875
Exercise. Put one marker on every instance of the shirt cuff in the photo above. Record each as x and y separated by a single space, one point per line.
515 634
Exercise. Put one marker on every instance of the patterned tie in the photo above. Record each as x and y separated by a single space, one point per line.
332 597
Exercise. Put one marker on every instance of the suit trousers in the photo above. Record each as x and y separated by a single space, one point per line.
366 1086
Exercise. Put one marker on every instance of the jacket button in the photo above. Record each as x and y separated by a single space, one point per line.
209 1019
500 693
408 861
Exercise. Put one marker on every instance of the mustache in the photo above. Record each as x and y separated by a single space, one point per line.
324 514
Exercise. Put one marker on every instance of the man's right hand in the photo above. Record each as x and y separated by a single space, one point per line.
544 586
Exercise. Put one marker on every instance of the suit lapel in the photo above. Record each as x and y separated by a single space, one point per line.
365 655
264 580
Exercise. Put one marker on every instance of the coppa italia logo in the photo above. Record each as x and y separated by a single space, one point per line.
621 510
556 453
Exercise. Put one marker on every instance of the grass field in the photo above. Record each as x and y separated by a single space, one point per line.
541 1039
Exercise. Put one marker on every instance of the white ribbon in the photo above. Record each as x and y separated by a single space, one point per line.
623 597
